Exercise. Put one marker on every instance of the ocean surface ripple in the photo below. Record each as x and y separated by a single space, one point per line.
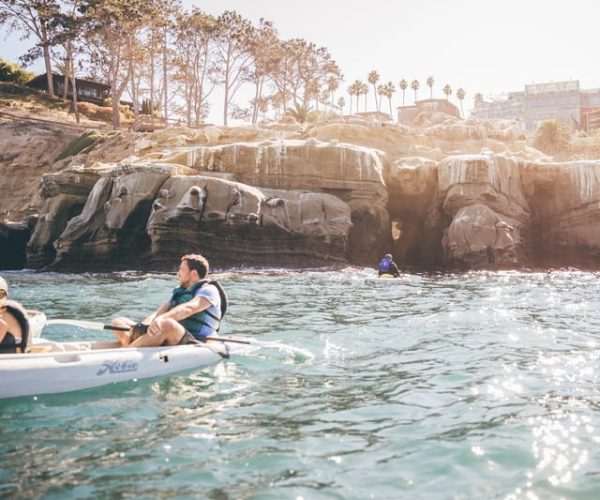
480 385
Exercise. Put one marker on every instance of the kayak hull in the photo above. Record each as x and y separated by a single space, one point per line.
55 367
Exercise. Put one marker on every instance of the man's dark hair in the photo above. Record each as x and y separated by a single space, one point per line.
197 262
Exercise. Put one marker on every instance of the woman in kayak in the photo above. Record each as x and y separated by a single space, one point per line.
14 326
194 311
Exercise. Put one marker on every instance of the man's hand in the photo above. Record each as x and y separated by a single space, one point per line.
155 327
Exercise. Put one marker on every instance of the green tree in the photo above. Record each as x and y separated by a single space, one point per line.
373 79
194 38
33 18
551 137
447 90
303 64
265 48
403 87
234 56
114 30
460 94
415 86
11 72
430 82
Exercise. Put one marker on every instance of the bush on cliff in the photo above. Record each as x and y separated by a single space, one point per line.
13 73
82 144
94 112
551 137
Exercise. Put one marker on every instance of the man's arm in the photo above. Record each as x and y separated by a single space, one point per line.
161 310
187 309
182 311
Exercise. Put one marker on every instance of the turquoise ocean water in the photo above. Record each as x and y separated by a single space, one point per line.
483 385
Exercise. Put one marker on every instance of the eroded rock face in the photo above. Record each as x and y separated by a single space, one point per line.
289 195
352 173
27 151
232 223
565 198
492 211
64 196
147 216
110 231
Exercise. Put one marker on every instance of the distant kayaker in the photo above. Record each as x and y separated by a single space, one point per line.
194 310
14 325
388 266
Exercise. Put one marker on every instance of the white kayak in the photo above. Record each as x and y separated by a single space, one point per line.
54 367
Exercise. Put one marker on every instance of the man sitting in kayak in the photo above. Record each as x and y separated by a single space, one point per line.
193 311
388 266
14 326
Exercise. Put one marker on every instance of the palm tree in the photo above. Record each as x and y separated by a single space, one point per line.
356 89
478 99
430 82
299 112
364 90
388 91
415 86
341 102
351 92
460 93
403 87
373 79
447 90
551 137
332 85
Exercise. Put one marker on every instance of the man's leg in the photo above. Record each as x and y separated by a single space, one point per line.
170 331
124 338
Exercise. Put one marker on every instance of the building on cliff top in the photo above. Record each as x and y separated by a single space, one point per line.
406 114
575 108
87 90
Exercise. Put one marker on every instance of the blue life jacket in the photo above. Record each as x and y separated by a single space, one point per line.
384 265
194 323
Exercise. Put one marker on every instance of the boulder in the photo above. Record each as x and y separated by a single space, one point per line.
479 238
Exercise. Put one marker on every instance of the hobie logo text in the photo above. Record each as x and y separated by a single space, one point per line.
118 367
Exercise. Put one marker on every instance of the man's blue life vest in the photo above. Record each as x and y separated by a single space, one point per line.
194 323
384 265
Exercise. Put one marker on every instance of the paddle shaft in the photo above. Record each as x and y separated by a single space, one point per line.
99 326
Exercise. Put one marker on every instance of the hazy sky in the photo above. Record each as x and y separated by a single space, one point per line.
481 45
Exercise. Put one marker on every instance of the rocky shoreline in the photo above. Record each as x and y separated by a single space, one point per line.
447 195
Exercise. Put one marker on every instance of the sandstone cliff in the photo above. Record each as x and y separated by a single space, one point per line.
443 194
